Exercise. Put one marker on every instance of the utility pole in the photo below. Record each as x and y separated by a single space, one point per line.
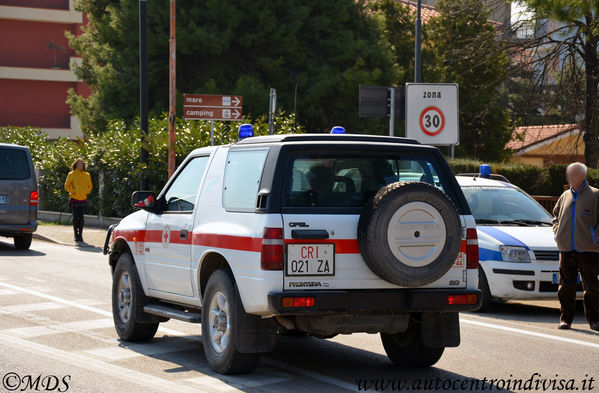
172 89
143 87
391 111
418 47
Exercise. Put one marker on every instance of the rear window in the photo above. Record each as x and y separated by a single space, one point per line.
14 164
346 181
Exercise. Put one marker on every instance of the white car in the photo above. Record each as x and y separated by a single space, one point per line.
517 252
322 234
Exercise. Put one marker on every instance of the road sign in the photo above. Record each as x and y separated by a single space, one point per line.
432 113
212 113
212 107
374 101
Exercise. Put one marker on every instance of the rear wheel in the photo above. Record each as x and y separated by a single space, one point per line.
23 242
407 350
128 300
221 316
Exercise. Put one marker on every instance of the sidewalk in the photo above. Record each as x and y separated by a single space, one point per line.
63 234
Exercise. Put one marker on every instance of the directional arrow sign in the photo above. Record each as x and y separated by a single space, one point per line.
212 107
212 100
212 113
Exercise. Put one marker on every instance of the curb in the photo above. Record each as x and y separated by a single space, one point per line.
49 239
45 238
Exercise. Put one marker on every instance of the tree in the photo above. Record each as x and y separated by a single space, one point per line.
564 57
466 49
323 50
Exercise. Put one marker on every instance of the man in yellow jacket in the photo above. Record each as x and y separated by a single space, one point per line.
78 185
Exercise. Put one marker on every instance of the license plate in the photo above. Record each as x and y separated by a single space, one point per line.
3 200
556 278
310 260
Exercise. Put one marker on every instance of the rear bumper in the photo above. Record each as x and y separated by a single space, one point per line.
17 229
368 301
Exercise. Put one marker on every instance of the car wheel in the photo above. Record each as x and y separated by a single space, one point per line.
483 285
221 316
409 234
23 242
407 350
128 300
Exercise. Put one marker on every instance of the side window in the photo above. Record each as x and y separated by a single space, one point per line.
181 195
242 179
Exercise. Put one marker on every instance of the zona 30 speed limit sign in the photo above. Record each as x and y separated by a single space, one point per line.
432 113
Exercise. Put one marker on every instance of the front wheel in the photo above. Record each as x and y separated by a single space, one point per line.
483 285
23 242
407 350
221 316
128 300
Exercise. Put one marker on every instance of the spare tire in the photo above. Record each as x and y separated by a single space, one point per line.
409 233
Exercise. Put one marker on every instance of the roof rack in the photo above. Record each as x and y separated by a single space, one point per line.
327 138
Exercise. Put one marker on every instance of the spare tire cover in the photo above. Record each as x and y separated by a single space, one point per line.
409 233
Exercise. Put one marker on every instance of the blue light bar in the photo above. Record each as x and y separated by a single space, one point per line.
338 130
245 131
485 171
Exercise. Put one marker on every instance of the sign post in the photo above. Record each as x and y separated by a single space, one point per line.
212 107
432 113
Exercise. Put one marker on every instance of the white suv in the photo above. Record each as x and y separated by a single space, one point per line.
315 233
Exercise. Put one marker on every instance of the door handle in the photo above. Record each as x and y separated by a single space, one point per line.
309 234
183 234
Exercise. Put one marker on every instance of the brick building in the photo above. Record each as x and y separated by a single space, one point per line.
35 65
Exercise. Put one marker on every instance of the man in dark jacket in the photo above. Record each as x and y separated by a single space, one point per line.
575 219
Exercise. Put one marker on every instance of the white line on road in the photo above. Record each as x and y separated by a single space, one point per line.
530 333
109 369
281 365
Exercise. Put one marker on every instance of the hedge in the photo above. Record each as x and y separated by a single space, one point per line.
532 179
113 155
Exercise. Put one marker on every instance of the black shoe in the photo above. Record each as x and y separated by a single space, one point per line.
594 326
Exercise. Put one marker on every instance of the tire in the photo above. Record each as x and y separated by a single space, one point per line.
406 349
483 285
409 234
23 242
128 300
221 315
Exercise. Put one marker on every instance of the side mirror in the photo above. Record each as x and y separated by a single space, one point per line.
144 200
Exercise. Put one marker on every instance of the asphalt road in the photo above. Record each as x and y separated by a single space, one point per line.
56 324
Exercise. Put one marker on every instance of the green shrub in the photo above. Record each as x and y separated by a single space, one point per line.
113 155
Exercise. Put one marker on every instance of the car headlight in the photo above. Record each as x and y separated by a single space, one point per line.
514 254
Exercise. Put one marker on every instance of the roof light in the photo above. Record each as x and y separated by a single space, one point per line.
485 171
338 130
245 131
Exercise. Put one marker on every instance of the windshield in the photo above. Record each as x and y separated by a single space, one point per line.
508 206
349 180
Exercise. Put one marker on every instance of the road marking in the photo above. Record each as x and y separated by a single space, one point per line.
235 384
67 327
100 366
130 350
530 333
275 363
20 308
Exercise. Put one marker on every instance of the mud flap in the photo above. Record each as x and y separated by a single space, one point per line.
440 330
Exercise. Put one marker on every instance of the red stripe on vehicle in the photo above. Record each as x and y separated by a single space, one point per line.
241 243
342 246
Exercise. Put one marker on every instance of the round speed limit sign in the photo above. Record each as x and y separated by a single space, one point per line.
432 121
